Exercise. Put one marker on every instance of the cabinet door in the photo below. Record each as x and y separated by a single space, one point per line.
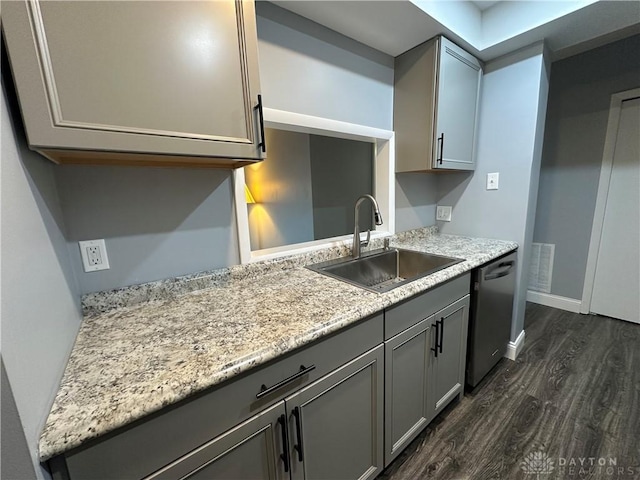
251 451
407 370
457 108
336 423
172 77
448 366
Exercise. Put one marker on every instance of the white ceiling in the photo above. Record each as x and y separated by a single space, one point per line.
488 29
484 4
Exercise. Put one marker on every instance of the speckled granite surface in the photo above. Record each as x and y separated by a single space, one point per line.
164 344
103 302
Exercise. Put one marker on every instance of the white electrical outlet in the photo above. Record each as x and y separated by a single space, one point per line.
492 181
443 213
94 255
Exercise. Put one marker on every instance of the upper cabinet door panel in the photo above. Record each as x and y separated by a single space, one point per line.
168 62
458 85
173 78
435 107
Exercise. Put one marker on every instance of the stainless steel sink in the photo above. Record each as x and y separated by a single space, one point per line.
383 270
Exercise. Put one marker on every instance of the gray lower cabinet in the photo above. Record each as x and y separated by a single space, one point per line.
235 429
336 424
407 370
325 414
249 451
424 363
450 342
331 429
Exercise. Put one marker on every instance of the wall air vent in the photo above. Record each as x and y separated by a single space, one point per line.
541 267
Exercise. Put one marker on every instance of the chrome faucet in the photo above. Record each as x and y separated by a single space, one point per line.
357 243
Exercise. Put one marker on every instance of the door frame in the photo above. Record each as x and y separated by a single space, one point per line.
615 108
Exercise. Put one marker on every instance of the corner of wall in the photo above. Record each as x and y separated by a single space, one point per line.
40 306
514 347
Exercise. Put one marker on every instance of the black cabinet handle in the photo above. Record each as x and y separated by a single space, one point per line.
441 333
263 143
441 149
435 349
264 390
298 447
282 420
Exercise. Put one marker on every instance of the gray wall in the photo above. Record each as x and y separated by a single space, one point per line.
307 68
416 198
282 187
341 171
512 109
159 223
15 459
40 298
156 222
579 97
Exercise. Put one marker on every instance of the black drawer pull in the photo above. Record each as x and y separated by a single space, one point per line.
266 391
298 447
441 333
282 420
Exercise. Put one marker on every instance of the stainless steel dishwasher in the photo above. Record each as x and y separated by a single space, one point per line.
490 319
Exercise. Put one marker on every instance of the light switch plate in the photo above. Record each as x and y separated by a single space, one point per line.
492 181
443 213
94 255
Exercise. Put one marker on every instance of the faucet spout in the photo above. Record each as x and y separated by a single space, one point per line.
377 216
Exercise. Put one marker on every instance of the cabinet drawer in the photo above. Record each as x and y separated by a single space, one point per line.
403 315
147 445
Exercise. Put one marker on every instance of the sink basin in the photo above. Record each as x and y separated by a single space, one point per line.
382 270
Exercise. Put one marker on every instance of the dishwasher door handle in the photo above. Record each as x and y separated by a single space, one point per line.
493 276
493 273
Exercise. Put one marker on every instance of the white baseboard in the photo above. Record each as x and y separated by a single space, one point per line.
555 301
514 348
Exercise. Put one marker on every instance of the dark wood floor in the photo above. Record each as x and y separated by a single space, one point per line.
572 395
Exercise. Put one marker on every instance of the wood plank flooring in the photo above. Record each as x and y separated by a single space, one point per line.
572 397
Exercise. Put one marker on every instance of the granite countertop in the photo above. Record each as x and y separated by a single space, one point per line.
142 348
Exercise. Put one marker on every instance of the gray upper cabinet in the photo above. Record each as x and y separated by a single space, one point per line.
436 98
170 83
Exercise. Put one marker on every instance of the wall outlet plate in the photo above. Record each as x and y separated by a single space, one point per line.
94 255
443 213
492 181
